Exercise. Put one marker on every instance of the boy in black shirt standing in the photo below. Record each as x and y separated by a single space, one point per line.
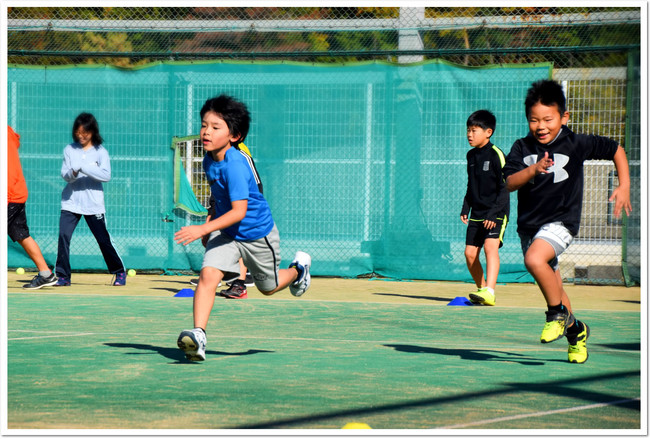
546 167
489 201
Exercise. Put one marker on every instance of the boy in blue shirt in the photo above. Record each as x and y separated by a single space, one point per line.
242 226
546 168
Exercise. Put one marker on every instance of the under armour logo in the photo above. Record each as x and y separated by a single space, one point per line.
559 163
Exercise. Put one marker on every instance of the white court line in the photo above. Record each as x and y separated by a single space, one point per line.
76 334
546 413
303 299
252 337
504 347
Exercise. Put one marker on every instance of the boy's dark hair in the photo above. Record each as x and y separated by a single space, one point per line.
548 92
483 119
233 112
88 122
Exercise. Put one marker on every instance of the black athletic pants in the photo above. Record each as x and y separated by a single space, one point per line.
97 225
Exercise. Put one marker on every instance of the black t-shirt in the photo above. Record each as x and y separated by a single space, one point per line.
486 195
557 195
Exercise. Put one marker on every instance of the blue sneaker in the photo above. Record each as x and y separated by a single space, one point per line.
301 262
120 279
62 282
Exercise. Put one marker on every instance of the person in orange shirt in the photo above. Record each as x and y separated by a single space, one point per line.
17 218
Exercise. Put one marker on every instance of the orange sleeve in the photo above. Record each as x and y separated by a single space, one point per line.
16 185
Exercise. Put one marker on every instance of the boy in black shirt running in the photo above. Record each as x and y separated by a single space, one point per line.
489 201
546 167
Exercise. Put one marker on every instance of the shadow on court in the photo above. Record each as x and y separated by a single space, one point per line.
621 346
636 302
436 299
175 353
558 388
471 354
170 290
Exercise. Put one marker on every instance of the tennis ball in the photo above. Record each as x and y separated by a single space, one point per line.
20 270
131 272
356 426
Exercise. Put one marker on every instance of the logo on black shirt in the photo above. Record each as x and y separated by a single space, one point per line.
558 171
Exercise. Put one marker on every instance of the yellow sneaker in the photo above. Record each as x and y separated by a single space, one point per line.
482 297
556 324
578 351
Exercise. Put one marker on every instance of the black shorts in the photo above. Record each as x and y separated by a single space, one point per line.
17 222
477 234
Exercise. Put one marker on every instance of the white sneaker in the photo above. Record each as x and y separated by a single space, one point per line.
192 342
301 261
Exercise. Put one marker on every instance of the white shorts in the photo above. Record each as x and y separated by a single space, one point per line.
555 234
261 257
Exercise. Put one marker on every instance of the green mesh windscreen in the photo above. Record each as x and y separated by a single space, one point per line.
184 196
363 165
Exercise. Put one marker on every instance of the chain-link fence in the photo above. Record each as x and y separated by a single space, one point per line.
358 123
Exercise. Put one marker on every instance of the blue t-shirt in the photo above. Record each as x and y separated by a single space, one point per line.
231 180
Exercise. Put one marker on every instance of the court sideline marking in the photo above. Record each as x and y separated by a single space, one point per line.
520 348
544 413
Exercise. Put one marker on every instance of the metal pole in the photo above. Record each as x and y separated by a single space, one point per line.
409 36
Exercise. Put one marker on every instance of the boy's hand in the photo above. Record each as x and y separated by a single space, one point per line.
541 167
621 196
463 218
489 224
622 193
188 234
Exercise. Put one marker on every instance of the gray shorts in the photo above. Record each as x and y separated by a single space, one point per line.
555 234
261 257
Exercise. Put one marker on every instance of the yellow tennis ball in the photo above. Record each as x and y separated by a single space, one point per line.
356 426
131 272
20 270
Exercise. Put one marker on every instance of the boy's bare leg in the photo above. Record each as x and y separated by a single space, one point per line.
285 277
34 252
492 261
474 265
549 281
204 295
565 299
242 269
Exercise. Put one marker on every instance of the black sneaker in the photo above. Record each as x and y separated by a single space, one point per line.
248 281
39 282
237 290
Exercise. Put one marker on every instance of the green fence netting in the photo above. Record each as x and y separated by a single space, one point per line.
184 196
363 165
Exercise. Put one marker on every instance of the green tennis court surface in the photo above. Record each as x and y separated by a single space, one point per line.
81 361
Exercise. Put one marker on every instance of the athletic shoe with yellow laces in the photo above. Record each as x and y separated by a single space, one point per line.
556 324
578 350
482 297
